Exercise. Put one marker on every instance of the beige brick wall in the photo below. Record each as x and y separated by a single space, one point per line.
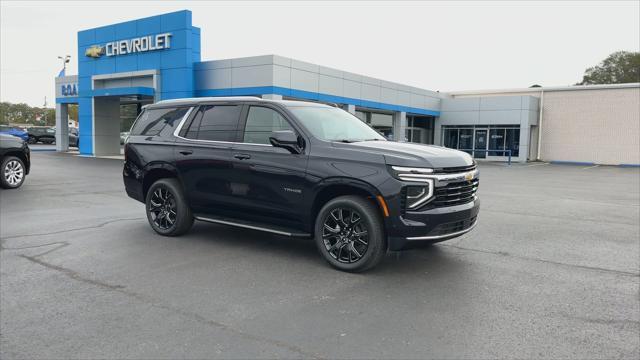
599 126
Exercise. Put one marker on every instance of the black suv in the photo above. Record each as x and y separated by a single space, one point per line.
296 169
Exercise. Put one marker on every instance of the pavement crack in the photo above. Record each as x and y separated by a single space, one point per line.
71 273
155 303
503 253
71 230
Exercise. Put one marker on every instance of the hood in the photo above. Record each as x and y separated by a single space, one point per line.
410 154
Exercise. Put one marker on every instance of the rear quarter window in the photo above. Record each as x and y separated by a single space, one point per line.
151 122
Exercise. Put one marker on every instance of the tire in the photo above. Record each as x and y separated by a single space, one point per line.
164 197
12 172
354 226
32 140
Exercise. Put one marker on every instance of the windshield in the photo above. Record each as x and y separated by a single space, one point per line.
333 124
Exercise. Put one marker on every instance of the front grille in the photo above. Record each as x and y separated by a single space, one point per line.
455 193
452 227
453 170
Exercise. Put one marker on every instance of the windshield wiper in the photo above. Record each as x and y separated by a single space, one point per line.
347 140
375 139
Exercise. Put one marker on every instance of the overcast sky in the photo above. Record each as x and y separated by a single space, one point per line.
432 45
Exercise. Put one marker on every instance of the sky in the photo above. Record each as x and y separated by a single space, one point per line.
444 46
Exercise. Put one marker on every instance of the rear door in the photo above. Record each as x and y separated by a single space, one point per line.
268 182
203 157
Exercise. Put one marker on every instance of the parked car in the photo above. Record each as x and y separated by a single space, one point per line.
43 134
74 137
123 137
15 161
15 131
296 169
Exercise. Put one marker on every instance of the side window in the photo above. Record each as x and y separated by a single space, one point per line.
261 121
215 123
151 122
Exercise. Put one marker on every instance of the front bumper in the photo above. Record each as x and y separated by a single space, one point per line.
419 228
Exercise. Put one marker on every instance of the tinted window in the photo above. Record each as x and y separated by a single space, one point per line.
261 121
152 121
215 123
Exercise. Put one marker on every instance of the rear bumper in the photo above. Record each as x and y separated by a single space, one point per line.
419 228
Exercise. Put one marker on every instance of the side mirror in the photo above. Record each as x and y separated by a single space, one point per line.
286 139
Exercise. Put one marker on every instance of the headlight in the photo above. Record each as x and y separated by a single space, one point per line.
411 174
418 195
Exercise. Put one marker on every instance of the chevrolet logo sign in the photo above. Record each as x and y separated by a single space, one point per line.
95 51
468 176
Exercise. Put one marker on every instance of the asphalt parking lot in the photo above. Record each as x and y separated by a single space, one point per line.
551 271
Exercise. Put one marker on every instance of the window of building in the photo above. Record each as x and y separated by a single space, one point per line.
151 122
261 122
513 141
215 123
496 142
500 139
383 123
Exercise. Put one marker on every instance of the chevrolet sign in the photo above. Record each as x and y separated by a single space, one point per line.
131 46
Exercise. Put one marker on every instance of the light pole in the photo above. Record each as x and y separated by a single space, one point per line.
65 60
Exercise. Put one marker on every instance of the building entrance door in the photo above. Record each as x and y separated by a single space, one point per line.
480 143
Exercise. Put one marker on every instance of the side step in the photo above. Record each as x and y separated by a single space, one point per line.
252 225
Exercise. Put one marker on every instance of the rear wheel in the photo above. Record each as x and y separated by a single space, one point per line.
167 209
349 234
32 140
12 172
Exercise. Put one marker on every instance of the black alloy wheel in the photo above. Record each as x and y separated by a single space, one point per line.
167 209
345 236
163 209
349 233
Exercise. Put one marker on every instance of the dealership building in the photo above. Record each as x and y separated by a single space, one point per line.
134 63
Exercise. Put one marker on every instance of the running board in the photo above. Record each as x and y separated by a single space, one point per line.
253 226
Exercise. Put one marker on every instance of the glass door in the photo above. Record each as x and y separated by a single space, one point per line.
480 143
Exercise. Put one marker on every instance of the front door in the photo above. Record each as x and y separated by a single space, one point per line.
480 144
268 183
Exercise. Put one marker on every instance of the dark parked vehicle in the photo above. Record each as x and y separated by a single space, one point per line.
74 137
15 131
15 161
296 169
43 134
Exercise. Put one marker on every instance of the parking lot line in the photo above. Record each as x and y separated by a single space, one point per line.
590 167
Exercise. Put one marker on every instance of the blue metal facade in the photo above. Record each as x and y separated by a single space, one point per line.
175 64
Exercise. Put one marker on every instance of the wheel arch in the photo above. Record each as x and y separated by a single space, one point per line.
156 171
335 187
20 155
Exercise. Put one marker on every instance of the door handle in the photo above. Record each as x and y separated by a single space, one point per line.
242 156
186 152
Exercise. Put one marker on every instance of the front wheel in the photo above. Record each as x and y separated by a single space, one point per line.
349 234
13 172
167 210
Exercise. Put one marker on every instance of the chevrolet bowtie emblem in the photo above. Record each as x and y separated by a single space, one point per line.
95 51
468 176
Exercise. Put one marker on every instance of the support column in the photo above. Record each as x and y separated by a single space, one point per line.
349 108
272 96
62 127
399 126
523 147
437 132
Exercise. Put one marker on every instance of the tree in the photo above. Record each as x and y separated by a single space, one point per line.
25 114
618 68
